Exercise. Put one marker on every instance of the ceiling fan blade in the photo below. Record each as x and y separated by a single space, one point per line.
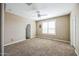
29 4
44 15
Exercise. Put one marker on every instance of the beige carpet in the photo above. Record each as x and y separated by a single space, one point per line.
39 47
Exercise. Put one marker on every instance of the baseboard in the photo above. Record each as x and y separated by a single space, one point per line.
14 42
56 40
76 51
62 40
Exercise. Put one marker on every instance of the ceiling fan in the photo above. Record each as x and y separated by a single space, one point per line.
38 13
29 4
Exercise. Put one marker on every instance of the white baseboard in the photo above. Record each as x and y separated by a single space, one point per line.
76 51
14 42
62 40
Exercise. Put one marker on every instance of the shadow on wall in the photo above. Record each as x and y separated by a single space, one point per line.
28 31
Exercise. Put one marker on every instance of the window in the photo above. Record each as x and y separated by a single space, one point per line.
49 27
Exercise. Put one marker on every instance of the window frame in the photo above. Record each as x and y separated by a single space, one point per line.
49 28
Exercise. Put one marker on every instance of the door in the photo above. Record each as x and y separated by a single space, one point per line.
28 31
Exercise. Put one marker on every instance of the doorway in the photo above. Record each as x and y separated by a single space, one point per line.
28 31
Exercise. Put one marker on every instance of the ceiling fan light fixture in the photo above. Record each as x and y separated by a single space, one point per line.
38 15
29 4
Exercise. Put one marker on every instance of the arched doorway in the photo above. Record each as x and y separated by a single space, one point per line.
28 31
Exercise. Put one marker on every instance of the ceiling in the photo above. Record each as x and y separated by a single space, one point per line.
47 10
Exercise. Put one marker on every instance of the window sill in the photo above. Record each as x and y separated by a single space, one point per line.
49 34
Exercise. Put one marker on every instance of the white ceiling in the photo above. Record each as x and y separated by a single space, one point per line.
46 9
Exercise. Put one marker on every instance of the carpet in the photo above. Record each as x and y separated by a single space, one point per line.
39 47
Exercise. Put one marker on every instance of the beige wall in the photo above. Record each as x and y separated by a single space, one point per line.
62 28
15 28
74 19
0 26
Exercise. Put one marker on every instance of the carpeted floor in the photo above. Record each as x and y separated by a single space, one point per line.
39 47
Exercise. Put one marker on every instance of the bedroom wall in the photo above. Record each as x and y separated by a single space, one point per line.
74 19
15 28
0 26
62 28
